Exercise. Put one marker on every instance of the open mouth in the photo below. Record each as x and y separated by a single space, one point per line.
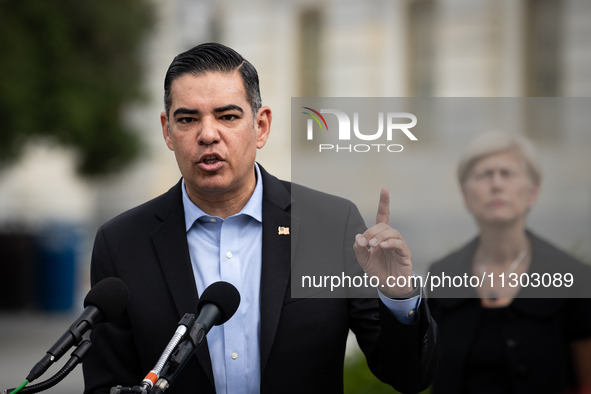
210 160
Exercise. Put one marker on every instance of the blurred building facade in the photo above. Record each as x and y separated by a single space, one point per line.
346 48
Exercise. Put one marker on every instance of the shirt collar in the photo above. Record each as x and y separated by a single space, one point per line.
253 208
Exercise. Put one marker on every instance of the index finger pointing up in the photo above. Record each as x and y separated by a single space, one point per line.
383 215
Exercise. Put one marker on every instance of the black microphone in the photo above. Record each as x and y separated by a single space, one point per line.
217 305
104 302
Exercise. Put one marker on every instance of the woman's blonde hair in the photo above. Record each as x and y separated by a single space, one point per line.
494 142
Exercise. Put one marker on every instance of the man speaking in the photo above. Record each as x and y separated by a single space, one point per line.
229 219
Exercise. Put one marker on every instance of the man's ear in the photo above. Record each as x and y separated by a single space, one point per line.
263 125
166 130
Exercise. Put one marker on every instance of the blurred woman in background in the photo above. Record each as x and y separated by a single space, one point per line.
498 338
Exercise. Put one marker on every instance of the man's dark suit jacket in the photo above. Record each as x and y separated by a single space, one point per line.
302 341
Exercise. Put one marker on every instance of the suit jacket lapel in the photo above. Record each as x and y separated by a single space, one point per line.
170 243
276 258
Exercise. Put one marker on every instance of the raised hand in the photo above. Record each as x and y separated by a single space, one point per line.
388 255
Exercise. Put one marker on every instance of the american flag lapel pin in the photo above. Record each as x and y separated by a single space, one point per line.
283 230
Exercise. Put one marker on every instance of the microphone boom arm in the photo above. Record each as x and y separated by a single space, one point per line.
209 313
87 320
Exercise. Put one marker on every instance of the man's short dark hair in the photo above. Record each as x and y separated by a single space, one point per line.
214 57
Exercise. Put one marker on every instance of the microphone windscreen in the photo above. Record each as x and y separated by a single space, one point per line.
110 296
223 295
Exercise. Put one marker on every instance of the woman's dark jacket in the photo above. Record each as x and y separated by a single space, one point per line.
536 328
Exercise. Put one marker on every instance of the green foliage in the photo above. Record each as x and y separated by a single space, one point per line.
579 252
67 68
358 378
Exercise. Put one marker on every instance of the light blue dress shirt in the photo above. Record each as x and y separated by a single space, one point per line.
230 250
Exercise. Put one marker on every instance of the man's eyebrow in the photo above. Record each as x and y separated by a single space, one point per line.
185 111
228 107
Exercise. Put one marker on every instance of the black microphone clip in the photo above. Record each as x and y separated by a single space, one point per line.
87 321
105 301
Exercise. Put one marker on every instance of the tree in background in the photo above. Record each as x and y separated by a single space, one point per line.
66 69
358 379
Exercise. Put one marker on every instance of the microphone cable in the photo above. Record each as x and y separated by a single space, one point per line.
76 358
16 390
